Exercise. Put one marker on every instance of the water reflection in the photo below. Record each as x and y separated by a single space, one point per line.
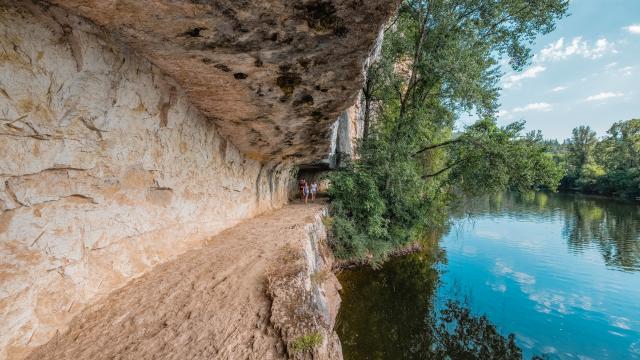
610 226
458 334
559 271
394 325
404 291
404 322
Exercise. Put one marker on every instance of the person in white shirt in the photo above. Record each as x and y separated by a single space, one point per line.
314 190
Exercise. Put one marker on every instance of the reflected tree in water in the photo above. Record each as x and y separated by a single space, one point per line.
613 229
394 328
394 312
457 334
610 226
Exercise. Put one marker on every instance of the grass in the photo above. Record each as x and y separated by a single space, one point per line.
306 342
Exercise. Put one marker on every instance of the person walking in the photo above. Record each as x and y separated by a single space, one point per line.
314 190
301 185
305 191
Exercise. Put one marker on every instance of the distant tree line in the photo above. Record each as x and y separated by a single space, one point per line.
606 166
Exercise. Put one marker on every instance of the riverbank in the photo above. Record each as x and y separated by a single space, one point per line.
411 248
600 195
263 289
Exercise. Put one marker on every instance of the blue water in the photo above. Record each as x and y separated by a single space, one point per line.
561 272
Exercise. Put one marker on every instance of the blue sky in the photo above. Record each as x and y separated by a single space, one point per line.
586 72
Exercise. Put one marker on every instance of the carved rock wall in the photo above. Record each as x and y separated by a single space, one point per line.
106 169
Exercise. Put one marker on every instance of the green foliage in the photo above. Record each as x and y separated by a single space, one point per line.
306 342
439 58
610 166
589 175
580 149
492 159
357 208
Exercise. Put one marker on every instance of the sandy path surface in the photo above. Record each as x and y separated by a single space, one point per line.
209 303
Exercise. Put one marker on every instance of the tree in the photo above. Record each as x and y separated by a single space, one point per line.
439 58
620 150
580 149
610 166
619 157
487 158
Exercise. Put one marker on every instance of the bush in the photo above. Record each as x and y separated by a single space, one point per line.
359 228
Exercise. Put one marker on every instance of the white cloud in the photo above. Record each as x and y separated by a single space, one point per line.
548 300
527 342
634 29
513 79
505 115
490 234
559 88
604 96
627 71
624 71
560 50
524 278
469 251
542 106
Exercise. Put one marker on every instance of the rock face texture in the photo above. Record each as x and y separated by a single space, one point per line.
273 75
304 293
349 127
132 131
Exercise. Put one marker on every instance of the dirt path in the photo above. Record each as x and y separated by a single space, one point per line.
207 304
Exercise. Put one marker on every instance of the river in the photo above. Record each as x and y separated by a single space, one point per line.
560 272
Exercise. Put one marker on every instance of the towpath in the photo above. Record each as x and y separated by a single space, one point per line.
208 303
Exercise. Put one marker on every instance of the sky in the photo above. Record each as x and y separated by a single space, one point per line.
586 72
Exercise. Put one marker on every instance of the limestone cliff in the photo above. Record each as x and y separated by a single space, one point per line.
132 131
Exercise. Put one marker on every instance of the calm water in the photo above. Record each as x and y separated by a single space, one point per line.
561 272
